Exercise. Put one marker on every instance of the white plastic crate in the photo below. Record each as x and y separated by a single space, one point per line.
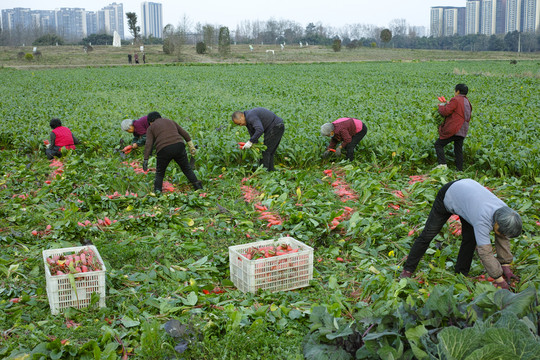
276 273
60 291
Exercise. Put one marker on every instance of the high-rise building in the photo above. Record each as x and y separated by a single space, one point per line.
500 21
436 21
70 23
450 20
488 19
151 19
472 17
513 16
447 21
114 17
92 23
16 18
531 15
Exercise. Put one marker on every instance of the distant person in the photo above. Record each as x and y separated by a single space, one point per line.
136 58
168 137
480 212
61 137
457 114
129 58
144 58
261 121
138 128
347 131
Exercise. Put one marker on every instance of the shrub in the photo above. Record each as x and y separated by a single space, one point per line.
20 55
168 46
48 39
37 54
29 57
224 41
336 45
200 47
373 44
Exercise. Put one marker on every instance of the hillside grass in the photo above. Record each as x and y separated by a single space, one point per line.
74 56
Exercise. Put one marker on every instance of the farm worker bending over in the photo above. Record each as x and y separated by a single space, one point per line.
168 137
138 128
348 131
61 137
457 114
480 211
262 121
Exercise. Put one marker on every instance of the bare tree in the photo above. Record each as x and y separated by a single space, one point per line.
398 27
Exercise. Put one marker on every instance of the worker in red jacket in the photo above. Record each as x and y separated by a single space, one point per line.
457 114
61 137
347 131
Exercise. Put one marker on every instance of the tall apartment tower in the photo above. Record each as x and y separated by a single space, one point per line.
472 17
436 21
151 19
531 15
500 21
513 15
71 23
488 16
113 16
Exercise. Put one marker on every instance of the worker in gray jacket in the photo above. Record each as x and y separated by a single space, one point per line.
480 212
261 121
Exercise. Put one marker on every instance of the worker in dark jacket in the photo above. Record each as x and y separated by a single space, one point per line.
347 131
61 137
261 121
168 137
138 128
480 212
457 114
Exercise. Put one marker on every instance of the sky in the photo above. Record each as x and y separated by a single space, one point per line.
335 13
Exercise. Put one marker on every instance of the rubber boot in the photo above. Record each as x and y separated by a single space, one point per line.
197 185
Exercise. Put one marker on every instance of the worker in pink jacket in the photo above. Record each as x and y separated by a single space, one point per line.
61 137
347 131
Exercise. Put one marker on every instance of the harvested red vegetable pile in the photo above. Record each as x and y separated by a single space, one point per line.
263 252
80 262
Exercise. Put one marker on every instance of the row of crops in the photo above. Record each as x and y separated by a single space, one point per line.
167 256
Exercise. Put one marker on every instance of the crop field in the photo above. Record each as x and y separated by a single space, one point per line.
168 288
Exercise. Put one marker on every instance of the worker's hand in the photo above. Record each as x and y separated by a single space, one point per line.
501 285
192 149
247 145
508 274
145 165
134 145
338 151
325 154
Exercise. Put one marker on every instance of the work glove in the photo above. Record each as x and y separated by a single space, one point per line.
325 154
247 145
508 274
338 151
192 149
145 165
501 285
134 145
